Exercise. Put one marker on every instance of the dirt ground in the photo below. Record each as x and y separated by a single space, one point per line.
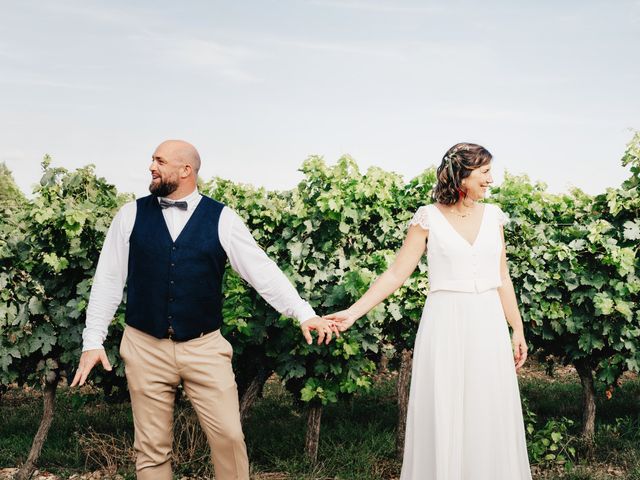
7 474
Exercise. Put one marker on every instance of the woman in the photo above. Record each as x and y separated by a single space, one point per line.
465 419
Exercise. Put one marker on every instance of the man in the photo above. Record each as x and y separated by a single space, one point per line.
170 248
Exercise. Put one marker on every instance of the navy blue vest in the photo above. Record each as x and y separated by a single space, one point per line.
177 284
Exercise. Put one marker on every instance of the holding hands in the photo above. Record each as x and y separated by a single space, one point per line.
342 319
325 328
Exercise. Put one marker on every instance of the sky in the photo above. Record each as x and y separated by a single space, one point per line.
549 87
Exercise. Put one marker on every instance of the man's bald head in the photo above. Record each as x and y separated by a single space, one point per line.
181 151
174 169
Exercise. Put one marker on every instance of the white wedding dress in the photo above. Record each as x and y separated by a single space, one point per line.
465 418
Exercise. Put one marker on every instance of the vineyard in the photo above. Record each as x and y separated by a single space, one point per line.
573 260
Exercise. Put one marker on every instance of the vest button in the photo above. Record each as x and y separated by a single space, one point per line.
173 248
173 264
170 317
172 282
171 299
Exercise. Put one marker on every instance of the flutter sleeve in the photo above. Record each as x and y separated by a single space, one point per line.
503 218
421 217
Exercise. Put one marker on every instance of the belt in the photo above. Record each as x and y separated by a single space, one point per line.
171 335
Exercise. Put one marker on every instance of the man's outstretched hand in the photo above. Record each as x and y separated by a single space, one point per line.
88 360
325 329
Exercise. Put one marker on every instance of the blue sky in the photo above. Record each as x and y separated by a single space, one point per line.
550 88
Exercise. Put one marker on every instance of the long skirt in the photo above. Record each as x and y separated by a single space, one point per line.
464 417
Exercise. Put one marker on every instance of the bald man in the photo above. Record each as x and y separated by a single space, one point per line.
170 249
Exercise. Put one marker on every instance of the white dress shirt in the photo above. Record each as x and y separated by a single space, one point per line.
245 257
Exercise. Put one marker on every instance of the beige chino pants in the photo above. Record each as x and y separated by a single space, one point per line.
154 369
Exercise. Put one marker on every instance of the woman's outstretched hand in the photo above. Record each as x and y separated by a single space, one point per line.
343 319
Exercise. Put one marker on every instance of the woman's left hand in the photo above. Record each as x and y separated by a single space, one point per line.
519 349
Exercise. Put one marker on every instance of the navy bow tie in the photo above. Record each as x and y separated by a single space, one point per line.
166 204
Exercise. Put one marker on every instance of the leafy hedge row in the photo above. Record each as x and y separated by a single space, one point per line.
573 257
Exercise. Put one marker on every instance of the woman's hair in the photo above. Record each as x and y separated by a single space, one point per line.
456 165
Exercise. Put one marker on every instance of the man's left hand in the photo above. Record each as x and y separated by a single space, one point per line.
325 329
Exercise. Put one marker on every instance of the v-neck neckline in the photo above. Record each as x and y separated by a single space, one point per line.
475 240
186 225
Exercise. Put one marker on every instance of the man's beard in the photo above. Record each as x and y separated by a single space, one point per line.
164 188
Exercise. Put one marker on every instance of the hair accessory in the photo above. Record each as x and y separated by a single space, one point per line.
450 166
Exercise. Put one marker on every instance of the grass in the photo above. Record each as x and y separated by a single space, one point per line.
357 439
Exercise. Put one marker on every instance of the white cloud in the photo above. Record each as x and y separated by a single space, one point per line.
524 116
342 47
377 6
93 11
25 80
7 52
227 61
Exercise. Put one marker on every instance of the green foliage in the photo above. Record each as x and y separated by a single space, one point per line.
48 253
573 257
574 262
312 234
551 444
623 427
10 194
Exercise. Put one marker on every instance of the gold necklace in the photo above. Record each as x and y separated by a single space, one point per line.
452 210
459 215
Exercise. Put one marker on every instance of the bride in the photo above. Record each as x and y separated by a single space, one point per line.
465 418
